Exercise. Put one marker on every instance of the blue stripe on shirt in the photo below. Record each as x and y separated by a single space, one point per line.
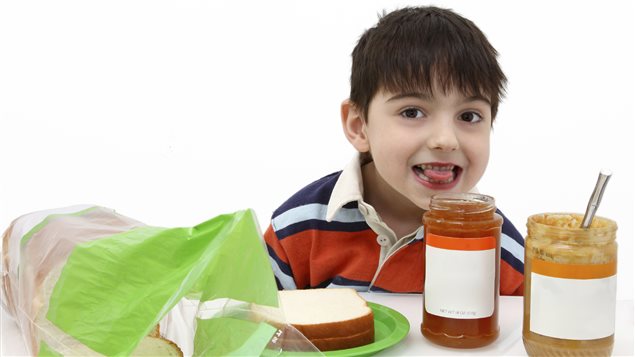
511 260
323 226
509 244
510 230
284 267
281 271
380 290
341 282
318 191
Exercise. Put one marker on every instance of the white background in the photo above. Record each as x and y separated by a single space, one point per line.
174 112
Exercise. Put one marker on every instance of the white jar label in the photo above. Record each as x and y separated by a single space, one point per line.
460 277
575 302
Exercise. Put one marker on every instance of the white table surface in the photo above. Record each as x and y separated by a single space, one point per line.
509 343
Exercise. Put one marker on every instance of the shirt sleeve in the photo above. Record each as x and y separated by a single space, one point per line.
512 259
279 260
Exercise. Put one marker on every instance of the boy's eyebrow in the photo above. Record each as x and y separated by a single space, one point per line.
418 95
475 98
424 96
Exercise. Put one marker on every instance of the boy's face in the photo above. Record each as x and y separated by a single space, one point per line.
425 145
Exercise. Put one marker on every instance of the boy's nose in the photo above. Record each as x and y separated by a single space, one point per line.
443 137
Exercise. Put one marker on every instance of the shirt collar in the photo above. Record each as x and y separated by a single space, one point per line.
348 188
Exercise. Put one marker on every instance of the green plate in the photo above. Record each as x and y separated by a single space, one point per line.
390 328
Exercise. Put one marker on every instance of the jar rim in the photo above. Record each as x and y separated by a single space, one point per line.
462 202
537 220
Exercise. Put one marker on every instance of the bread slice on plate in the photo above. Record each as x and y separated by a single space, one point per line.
332 319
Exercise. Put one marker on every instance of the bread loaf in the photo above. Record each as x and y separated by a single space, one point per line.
40 260
332 319
156 346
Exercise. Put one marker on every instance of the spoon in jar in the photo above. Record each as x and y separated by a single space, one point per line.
596 197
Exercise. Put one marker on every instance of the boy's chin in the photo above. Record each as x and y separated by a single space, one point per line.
424 204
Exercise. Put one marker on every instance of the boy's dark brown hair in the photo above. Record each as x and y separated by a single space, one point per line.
411 48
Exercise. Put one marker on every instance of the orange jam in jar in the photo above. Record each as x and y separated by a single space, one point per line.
570 286
462 258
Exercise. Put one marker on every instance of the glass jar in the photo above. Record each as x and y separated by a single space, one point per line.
570 286
462 263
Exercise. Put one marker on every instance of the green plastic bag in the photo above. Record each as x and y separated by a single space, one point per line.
90 281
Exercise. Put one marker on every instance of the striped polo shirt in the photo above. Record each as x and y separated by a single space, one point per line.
327 236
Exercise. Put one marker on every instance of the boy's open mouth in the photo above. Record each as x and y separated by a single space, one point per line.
437 173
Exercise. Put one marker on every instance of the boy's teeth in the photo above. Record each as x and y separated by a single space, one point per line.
436 168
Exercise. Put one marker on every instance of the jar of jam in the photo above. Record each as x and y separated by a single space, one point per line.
570 286
462 263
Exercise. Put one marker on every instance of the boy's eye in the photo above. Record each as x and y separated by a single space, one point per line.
412 113
471 117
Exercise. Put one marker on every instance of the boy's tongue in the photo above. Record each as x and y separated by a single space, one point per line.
439 175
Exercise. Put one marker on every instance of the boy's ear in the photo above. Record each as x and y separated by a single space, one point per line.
354 126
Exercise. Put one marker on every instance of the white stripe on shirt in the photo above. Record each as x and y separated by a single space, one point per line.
286 281
510 245
360 288
315 211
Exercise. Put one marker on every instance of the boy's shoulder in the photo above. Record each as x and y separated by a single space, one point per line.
307 211
317 192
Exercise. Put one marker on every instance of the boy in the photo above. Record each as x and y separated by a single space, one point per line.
425 88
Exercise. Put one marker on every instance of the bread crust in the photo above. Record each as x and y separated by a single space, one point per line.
156 331
336 329
174 346
340 343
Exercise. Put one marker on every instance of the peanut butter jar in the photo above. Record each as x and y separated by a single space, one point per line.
570 286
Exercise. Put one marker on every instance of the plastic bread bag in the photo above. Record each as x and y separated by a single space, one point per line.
84 280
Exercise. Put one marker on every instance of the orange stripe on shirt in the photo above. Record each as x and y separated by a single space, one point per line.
352 255
272 241
451 243
403 272
573 271
511 281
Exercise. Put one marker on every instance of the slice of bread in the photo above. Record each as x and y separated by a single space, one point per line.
331 319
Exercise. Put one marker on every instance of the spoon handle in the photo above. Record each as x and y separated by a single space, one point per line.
596 197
